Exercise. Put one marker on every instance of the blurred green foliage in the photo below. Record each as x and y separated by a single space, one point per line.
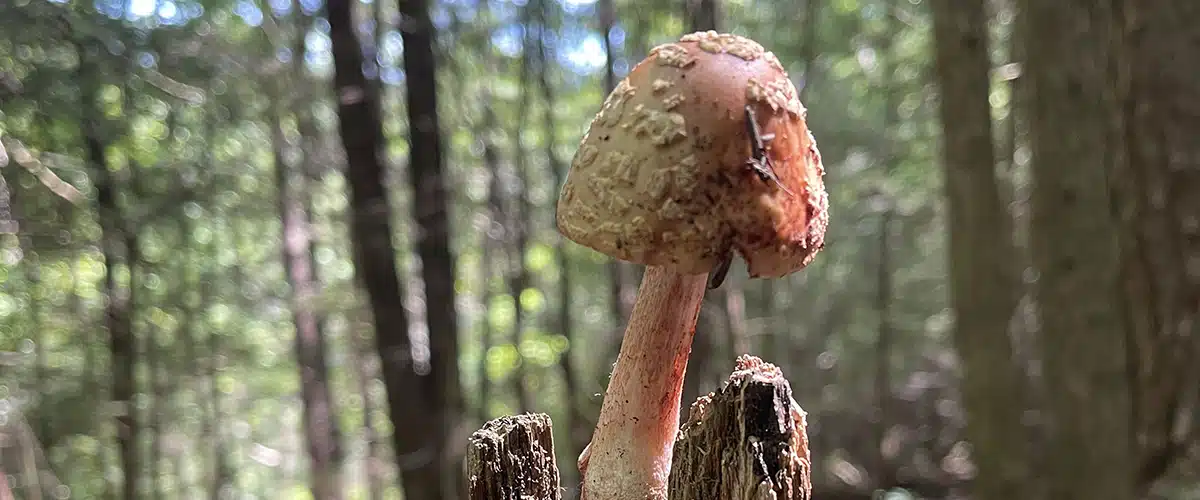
185 88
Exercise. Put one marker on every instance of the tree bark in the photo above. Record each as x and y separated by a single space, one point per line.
428 180
808 46
415 401
92 383
885 339
734 304
365 373
129 344
981 251
512 458
495 217
1156 190
577 425
223 476
31 269
747 440
520 213
119 304
312 346
1085 350
321 433
185 333
156 373
703 15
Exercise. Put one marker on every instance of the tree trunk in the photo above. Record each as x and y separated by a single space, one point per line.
1084 346
881 471
703 15
701 378
981 250
156 373
45 424
520 213
428 178
31 269
300 243
366 367
1157 199
835 313
492 235
578 428
118 305
186 331
223 477
321 433
130 344
486 274
885 333
734 303
808 46
416 402
495 225
1015 189
92 382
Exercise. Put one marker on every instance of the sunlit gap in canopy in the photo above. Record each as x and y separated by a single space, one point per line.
163 12
284 7
252 15
179 12
575 45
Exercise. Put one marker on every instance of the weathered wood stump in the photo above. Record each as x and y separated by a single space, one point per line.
746 441
512 458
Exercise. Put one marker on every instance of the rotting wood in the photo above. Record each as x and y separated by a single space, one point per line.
747 440
512 458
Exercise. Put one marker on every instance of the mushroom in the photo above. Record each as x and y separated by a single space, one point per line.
701 151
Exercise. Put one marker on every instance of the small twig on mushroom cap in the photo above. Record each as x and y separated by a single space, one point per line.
759 161
630 453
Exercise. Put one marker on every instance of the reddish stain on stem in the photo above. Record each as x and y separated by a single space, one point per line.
630 453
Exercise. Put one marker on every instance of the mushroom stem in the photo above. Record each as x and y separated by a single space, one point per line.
630 453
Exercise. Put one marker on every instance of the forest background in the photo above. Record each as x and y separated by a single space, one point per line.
210 208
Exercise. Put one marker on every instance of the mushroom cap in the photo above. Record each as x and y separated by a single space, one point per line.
661 177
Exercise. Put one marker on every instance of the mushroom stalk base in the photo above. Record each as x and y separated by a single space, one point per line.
630 453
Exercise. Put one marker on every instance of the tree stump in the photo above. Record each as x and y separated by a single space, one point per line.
746 441
512 458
